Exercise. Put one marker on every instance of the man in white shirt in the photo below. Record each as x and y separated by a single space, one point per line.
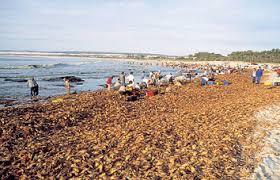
130 77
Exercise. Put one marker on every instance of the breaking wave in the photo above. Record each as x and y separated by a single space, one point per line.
38 66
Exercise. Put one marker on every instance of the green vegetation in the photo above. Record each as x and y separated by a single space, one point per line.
272 56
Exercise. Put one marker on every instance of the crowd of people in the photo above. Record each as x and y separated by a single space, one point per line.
126 83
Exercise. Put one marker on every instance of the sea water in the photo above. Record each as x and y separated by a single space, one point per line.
14 69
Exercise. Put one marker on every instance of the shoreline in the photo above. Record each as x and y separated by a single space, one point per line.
141 60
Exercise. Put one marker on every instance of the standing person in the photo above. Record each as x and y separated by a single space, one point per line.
143 75
151 74
130 77
33 86
169 77
36 89
109 82
157 77
122 78
254 75
259 74
67 85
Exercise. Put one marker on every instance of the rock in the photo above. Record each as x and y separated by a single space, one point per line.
71 78
15 80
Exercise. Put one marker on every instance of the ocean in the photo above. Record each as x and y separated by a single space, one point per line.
15 70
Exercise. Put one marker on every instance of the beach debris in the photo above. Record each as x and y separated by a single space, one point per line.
191 132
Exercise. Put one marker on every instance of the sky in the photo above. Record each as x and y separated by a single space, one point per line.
173 27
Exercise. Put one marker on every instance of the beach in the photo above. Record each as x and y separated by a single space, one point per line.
190 131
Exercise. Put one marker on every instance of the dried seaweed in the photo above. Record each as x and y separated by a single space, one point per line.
191 131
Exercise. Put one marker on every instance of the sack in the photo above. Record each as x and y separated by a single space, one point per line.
268 83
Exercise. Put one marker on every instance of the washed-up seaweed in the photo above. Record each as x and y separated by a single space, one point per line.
191 131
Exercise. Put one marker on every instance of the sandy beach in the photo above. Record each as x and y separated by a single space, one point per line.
190 131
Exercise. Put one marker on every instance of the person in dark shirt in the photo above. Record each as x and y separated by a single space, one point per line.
259 74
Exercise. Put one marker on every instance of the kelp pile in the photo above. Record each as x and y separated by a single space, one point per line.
192 131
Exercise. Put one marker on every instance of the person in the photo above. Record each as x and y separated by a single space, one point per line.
169 77
143 85
204 80
259 74
109 82
122 78
211 77
67 85
129 88
122 90
151 74
137 86
278 72
130 77
117 84
153 77
157 77
254 75
143 75
34 87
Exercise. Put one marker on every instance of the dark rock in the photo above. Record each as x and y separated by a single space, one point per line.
15 80
71 78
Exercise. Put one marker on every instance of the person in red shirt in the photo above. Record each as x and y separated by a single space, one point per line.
109 82
278 72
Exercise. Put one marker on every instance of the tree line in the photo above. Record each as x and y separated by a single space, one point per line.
272 56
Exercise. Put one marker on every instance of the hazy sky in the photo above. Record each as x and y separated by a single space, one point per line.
175 27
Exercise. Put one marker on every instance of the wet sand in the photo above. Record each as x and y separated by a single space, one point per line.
189 132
